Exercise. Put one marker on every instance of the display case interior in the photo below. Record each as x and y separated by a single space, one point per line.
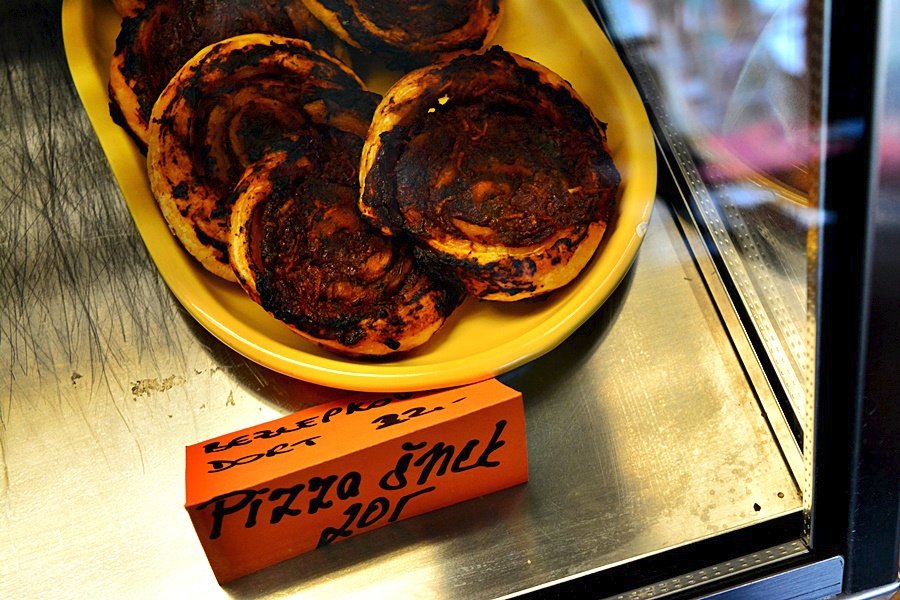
669 393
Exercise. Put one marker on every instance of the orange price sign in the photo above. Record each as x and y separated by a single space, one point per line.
270 492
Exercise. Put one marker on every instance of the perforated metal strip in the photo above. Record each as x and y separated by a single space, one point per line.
716 572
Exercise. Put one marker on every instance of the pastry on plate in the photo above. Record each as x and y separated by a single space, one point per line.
223 110
497 170
303 251
410 33
154 43
128 8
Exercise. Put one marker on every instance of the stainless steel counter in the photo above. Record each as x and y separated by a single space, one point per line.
643 431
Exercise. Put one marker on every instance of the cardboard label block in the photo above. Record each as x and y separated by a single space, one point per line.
270 492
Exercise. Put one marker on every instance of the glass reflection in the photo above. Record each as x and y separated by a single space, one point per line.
732 87
735 77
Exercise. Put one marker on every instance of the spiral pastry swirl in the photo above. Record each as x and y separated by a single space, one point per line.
497 170
223 110
155 41
303 251
410 33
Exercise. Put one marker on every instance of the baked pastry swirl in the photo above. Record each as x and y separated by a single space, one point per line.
303 251
223 110
410 33
497 170
154 43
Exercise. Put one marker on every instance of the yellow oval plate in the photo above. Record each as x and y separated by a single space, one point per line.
481 340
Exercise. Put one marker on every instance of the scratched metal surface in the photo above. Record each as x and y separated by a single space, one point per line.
643 433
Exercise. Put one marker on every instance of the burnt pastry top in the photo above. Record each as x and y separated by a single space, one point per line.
496 168
303 251
410 33
223 110
154 43
128 8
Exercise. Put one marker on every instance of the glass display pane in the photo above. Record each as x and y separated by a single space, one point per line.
733 86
